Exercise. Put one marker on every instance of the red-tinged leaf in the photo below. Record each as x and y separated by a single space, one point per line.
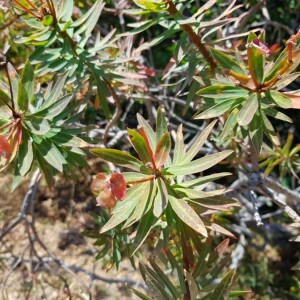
221 248
15 142
222 230
4 147
162 150
294 97
139 144
118 186
148 131
256 58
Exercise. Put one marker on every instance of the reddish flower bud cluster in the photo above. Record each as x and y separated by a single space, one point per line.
109 189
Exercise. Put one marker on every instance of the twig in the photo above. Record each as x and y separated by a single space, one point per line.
291 196
30 195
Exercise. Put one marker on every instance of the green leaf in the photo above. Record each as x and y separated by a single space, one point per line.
187 215
50 153
145 225
102 93
28 79
67 10
87 15
141 207
148 130
179 151
278 98
256 132
223 91
22 97
25 154
139 145
195 194
204 179
92 19
222 290
199 142
218 109
162 150
161 125
154 284
118 157
277 115
56 108
163 279
200 164
124 208
139 294
4 98
37 125
229 125
161 199
226 61
269 130
248 110
56 91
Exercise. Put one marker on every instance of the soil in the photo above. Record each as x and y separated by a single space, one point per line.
61 214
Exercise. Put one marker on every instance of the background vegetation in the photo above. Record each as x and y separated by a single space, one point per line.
169 130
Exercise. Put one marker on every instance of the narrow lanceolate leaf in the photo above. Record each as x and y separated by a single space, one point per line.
279 98
39 126
187 215
139 145
162 150
218 109
148 130
161 199
223 91
229 125
204 179
226 62
22 97
118 157
145 225
56 91
194 149
249 109
124 208
200 164
179 151
51 154
222 290
25 155
56 108
256 132
269 130
161 125
28 79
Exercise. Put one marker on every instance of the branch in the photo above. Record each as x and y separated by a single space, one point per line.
195 39
30 195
